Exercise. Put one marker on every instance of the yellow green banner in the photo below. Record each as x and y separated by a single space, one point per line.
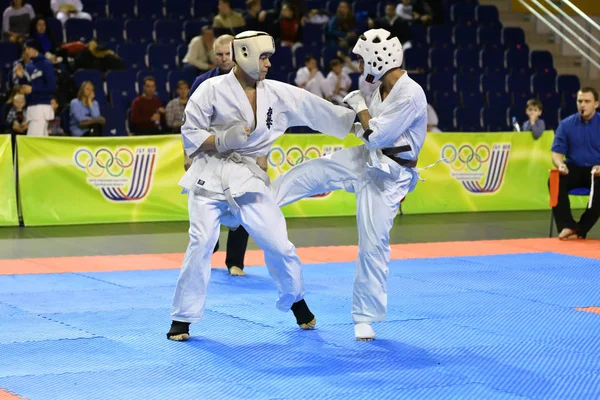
8 198
65 180
485 172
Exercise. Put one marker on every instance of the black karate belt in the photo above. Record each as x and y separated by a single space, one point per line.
390 151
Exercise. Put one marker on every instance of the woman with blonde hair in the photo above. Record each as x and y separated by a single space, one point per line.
85 113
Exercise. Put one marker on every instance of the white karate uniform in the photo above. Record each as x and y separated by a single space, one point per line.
73 4
379 183
367 89
316 85
344 86
231 189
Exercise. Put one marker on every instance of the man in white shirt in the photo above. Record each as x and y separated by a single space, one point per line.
310 78
380 172
200 53
338 81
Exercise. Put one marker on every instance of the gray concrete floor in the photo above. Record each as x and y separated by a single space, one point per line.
171 237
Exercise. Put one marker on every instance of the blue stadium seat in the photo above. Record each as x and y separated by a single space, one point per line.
487 15
168 31
569 100
416 58
467 60
492 60
493 82
9 52
467 120
313 35
313 4
440 81
327 54
179 75
181 52
193 28
281 60
96 8
499 100
550 114
516 82
564 113
56 27
133 55
418 35
162 56
466 81
471 99
440 36
513 37
115 121
542 84
181 9
150 9
121 83
550 100
441 60
354 76
138 31
465 36
540 60
121 8
280 76
567 84
517 59
463 14
519 99
445 99
79 29
109 30
489 37
445 117
494 120
160 75
332 6
421 79
369 6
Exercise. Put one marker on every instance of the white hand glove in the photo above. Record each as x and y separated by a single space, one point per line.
233 138
356 101
358 130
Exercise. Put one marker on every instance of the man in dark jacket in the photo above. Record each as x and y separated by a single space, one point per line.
38 83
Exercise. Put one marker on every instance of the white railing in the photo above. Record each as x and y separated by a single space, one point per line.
584 43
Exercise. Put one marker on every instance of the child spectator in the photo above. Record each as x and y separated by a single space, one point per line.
54 127
535 124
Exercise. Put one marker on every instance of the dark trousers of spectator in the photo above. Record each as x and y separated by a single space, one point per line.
95 130
148 131
237 241
578 177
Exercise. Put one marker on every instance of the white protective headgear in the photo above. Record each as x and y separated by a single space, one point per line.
379 52
246 49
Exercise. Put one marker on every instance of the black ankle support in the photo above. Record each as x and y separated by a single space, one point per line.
301 312
178 328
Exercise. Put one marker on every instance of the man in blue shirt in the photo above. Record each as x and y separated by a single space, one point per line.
576 154
237 241
223 61
38 83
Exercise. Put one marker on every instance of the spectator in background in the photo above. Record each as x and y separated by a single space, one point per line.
15 21
576 154
38 84
176 107
256 18
338 81
200 56
39 32
147 110
222 60
227 18
288 27
65 9
85 113
17 73
432 119
17 118
395 25
54 126
366 89
404 10
310 78
341 29
534 124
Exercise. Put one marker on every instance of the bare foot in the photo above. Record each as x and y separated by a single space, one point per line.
363 332
236 271
309 325
567 233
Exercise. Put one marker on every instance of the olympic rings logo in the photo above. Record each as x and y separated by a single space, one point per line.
104 161
466 156
278 158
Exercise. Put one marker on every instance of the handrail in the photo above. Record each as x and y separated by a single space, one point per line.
571 20
555 30
582 14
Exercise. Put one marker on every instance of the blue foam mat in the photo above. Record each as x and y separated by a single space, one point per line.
493 327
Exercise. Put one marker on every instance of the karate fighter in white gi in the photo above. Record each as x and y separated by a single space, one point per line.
380 172
229 121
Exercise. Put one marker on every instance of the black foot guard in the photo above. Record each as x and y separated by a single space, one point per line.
180 331
302 313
